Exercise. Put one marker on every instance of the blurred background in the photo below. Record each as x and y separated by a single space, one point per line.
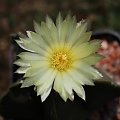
18 15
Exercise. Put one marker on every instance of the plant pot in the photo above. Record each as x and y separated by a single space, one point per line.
107 34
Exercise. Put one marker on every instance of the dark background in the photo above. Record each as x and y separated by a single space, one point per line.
18 15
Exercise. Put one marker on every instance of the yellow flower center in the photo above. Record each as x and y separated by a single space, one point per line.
61 60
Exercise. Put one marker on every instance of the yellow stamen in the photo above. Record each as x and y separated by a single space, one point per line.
61 60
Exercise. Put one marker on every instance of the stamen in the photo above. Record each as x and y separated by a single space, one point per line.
61 60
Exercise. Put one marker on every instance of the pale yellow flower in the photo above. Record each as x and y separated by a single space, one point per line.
59 56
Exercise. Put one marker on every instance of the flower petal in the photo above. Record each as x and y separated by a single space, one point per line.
45 84
86 49
22 70
92 59
45 95
73 85
31 56
53 30
46 79
59 21
64 94
66 29
79 90
39 64
59 87
28 82
38 40
85 37
49 22
80 78
20 43
87 70
32 46
63 31
22 63
74 75
68 85
44 31
35 71
37 27
78 32
33 78
58 83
